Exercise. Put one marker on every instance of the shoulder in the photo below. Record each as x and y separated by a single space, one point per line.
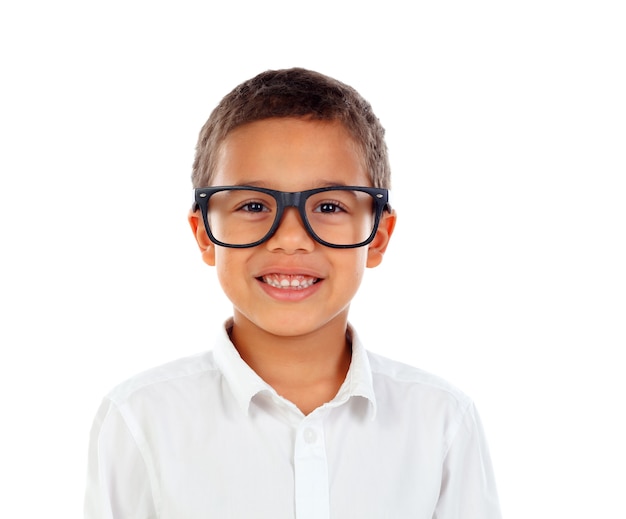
419 401
187 371
400 379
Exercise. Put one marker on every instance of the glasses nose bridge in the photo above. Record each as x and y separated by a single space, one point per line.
288 199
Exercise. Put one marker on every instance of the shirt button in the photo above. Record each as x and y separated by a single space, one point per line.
310 436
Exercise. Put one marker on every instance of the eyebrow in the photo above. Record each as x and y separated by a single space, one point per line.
266 185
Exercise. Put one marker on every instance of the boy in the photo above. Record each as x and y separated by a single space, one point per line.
288 415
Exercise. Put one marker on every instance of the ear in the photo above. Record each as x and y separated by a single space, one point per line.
377 248
207 247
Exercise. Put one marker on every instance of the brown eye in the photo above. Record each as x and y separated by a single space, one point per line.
254 207
328 207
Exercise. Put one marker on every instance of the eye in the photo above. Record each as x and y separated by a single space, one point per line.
253 207
329 207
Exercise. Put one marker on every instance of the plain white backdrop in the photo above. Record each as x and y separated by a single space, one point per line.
506 125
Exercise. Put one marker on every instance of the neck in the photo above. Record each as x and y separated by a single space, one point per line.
308 369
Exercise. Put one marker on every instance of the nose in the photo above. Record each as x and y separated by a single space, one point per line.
291 235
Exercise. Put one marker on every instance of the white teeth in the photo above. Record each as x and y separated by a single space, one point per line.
285 281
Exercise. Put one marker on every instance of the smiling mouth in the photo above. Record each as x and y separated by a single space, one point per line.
291 282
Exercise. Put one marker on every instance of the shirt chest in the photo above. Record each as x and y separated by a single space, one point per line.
337 463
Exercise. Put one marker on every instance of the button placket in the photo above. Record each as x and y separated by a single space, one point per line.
311 471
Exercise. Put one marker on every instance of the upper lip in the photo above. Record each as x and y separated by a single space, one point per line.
289 271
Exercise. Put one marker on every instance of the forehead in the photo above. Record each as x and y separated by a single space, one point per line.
290 154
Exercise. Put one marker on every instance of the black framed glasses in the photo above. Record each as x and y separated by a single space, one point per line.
342 217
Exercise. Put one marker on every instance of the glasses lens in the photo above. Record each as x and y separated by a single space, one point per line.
240 216
341 217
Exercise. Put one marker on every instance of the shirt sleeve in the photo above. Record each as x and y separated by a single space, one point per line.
468 488
118 482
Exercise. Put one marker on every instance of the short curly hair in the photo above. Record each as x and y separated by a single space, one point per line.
294 92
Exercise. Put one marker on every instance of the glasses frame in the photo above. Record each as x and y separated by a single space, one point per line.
295 199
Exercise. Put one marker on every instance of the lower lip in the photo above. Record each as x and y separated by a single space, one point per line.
290 294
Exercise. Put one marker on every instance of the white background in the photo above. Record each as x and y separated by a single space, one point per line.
506 124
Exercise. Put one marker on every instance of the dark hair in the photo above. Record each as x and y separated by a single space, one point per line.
293 92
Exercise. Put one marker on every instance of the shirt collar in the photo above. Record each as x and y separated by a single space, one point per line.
241 378
245 383
359 381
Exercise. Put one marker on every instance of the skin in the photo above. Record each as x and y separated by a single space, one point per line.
295 339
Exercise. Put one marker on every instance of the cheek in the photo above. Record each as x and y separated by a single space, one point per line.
229 269
355 263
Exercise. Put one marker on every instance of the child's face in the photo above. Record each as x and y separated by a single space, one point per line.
289 154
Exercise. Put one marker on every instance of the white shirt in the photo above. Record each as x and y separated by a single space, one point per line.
206 437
